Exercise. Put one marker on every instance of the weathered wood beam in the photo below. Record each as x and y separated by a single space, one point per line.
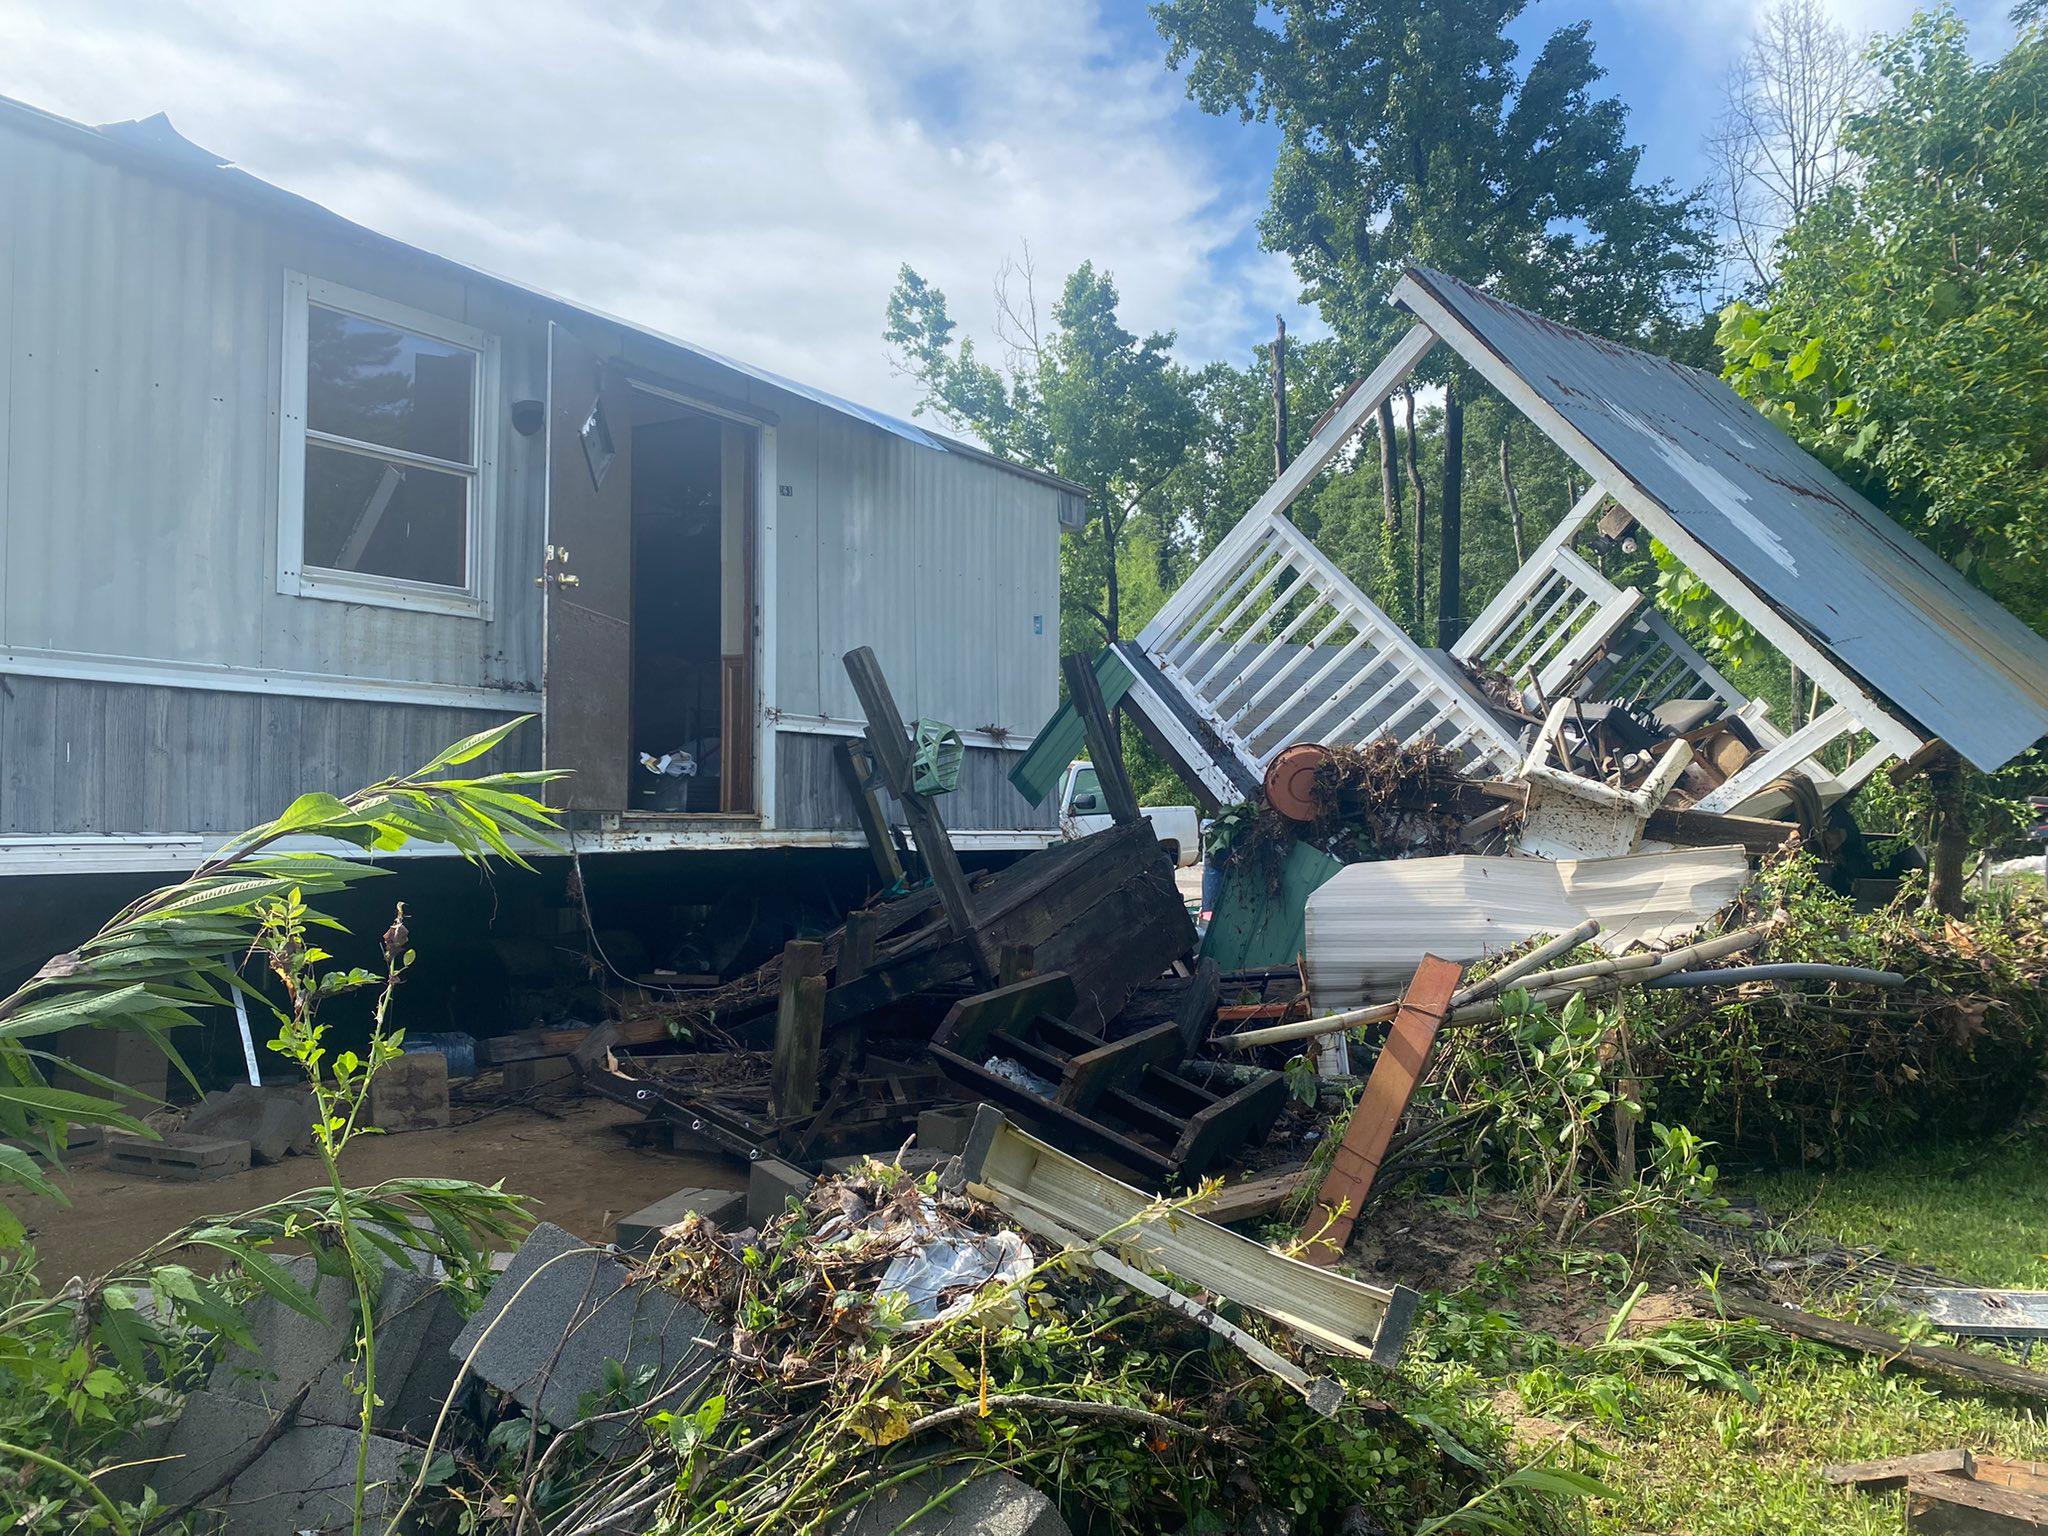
1402 1061
1105 745
890 741
799 1027
851 758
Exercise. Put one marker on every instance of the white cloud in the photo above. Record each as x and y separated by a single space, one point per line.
747 177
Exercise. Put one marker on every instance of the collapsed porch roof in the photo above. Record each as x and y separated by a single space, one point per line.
1712 477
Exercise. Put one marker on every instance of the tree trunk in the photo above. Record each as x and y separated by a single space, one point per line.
1421 497
1450 622
1951 836
1507 489
1280 454
1112 611
1390 483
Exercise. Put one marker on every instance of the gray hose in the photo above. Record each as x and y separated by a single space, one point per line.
1783 971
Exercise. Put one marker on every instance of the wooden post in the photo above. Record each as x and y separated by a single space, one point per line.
1105 747
858 772
890 741
799 1026
1402 1061
857 946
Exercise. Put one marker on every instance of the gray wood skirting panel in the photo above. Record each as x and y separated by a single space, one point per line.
810 793
91 758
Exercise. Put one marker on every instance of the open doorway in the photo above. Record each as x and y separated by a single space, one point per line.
692 735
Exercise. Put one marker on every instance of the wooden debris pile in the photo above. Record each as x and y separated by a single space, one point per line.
1062 987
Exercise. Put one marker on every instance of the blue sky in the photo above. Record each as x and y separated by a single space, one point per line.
750 177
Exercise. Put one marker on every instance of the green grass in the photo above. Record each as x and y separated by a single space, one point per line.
1979 1212
1693 1457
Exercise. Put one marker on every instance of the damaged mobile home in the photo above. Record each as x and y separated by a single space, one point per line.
356 500
1269 645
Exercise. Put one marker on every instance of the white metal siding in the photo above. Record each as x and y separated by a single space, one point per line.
939 562
139 501
140 343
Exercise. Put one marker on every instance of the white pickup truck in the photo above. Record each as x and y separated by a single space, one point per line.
1083 810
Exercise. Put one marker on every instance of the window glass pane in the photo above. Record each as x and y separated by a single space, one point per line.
1088 782
384 519
381 385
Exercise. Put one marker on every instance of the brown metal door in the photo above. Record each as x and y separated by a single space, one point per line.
588 577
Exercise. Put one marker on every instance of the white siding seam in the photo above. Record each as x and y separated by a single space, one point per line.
210 677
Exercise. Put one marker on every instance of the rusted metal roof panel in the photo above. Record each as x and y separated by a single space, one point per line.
1898 617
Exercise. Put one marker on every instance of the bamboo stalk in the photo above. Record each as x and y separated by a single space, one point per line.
1596 978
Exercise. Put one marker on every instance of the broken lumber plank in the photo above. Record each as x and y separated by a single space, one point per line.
1892 1472
969 1023
1238 1119
1094 1072
1105 747
856 769
890 739
799 1029
1250 1198
1395 1075
1077 1129
1938 1505
1939 1360
857 945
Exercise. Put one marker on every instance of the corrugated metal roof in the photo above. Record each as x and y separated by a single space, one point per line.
153 145
1891 612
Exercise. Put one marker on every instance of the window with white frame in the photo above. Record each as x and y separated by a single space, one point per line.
384 473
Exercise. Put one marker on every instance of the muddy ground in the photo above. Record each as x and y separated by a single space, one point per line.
577 1168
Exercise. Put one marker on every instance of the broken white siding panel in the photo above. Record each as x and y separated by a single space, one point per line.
1369 925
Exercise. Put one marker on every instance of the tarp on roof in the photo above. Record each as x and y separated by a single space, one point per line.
1891 612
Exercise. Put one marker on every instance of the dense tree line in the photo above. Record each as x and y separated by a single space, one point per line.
1868 270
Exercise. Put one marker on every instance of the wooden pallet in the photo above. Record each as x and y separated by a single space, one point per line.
1118 1098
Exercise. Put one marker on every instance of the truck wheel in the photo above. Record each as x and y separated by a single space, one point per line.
1172 847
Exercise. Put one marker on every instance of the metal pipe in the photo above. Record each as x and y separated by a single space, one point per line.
1783 971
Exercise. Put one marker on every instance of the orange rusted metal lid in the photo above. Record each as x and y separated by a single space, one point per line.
1291 781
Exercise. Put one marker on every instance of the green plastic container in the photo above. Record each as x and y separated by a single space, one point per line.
936 756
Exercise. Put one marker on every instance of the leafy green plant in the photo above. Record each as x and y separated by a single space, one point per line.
73 1363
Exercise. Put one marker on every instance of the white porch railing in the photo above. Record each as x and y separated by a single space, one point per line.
1271 644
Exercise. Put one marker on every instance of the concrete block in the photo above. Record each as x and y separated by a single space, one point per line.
177 1156
560 1312
303 1482
917 1162
126 1055
416 1404
639 1232
276 1119
292 1349
537 1072
943 1130
410 1093
984 1504
770 1183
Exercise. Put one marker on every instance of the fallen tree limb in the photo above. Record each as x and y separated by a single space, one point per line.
1888 1348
